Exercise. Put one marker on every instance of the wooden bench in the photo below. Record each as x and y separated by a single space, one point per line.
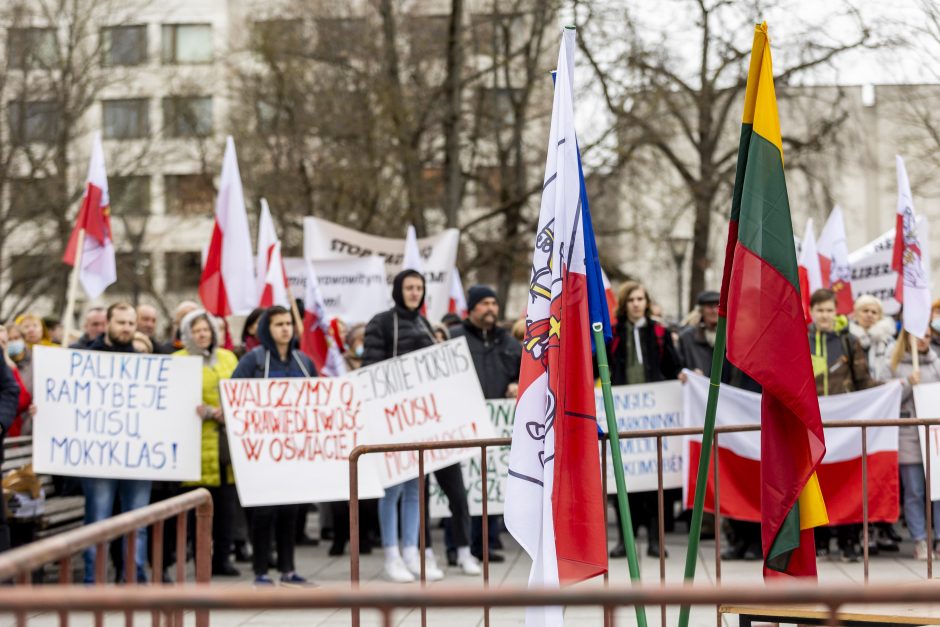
853 615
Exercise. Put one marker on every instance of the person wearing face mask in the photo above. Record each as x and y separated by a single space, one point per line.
355 346
22 424
21 355
10 392
910 464
397 331
641 351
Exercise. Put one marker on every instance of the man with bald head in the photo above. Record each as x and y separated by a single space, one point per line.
147 319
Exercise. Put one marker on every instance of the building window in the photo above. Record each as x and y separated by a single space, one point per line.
187 116
124 45
189 194
276 39
36 121
187 43
130 195
31 48
32 198
183 270
125 119
341 38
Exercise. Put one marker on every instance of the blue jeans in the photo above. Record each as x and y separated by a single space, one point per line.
99 505
915 487
407 492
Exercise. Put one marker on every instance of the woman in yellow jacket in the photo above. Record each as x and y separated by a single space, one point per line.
200 338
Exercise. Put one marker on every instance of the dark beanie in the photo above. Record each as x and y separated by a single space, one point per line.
477 293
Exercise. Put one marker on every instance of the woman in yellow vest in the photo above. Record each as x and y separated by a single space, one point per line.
200 338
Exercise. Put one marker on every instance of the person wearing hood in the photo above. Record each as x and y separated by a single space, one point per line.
277 357
397 331
118 337
910 458
840 365
875 333
200 338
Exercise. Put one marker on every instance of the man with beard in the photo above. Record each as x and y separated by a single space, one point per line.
100 493
497 356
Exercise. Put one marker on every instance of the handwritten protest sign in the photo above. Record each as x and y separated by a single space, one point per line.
430 395
502 413
926 402
116 415
641 407
290 440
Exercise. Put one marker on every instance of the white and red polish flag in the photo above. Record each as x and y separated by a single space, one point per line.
554 505
316 339
273 287
609 295
808 268
98 268
913 288
834 261
458 300
412 260
228 284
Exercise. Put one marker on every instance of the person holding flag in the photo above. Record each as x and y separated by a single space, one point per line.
554 501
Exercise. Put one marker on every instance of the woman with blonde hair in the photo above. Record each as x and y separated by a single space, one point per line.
875 333
910 463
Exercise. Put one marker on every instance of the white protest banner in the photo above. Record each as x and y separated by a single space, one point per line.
430 395
927 396
502 412
872 273
353 289
641 407
290 440
116 415
327 240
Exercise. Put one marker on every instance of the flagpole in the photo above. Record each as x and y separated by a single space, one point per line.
73 289
915 353
626 521
701 481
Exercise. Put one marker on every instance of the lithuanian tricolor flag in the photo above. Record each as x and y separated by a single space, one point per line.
767 335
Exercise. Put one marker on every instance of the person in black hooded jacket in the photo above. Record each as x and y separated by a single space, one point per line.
400 330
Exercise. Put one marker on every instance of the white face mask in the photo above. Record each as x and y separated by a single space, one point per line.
935 325
360 349
15 348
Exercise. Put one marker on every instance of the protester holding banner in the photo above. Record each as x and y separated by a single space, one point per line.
910 457
641 352
100 492
875 333
497 357
200 338
398 331
277 357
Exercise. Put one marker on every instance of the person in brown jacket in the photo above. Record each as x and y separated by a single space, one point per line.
840 365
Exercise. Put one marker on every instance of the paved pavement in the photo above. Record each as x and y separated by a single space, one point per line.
314 563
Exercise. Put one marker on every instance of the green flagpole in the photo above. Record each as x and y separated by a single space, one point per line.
626 521
708 437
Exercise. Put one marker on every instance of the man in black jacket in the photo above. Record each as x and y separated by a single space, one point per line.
9 397
93 326
497 357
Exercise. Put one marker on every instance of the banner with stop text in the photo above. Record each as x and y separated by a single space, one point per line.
324 240
290 440
430 395
116 415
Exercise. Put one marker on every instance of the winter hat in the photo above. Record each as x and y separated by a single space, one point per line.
477 293
708 297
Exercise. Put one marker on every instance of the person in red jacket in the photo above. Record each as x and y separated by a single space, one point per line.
23 423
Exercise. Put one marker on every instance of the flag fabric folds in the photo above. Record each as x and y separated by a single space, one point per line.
316 338
554 503
98 267
273 287
767 338
458 300
808 267
228 285
913 288
834 261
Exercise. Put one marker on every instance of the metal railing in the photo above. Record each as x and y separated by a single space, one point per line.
659 434
18 564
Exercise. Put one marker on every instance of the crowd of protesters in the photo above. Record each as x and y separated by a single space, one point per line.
848 353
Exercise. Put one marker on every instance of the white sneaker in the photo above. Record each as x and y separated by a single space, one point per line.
396 571
431 571
469 566
921 550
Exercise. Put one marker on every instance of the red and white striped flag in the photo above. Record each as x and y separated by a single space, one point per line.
98 268
554 505
913 288
227 285
273 285
458 300
317 339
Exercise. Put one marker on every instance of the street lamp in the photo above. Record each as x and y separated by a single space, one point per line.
679 246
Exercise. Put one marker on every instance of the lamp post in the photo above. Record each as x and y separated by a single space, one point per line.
679 246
